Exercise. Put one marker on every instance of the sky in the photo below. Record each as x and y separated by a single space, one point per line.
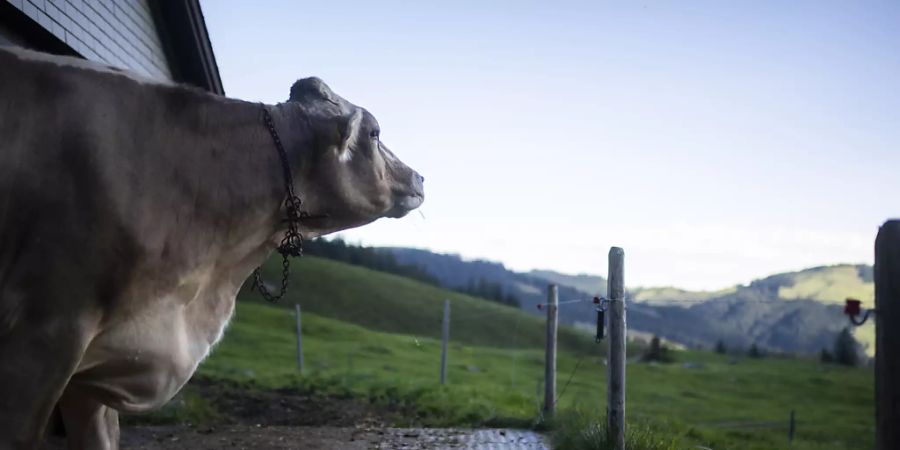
716 142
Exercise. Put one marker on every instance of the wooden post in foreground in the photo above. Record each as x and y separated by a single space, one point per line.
299 338
445 337
550 354
887 336
615 394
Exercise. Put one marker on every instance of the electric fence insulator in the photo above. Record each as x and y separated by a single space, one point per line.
600 324
852 307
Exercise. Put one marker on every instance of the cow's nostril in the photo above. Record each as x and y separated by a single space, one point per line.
417 183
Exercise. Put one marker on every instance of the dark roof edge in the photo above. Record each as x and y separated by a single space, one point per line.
186 43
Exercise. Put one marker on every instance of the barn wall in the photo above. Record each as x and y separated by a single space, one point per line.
117 32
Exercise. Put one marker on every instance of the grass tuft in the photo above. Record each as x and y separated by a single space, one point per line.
578 430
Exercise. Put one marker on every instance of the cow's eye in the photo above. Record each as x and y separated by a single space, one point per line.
374 134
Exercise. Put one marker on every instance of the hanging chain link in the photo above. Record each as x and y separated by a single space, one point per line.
292 243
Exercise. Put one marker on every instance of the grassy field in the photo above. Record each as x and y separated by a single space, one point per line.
710 402
384 350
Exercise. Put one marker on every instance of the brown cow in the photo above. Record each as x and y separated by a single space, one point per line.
132 211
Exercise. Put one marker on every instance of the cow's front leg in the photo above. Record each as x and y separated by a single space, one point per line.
36 360
89 424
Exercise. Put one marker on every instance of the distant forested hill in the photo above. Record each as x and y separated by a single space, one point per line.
456 273
384 260
795 311
788 312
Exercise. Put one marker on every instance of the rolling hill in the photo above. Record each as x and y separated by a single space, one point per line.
672 296
825 284
583 282
389 303
795 312
454 272
804 305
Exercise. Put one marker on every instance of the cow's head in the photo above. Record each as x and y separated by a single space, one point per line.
348 174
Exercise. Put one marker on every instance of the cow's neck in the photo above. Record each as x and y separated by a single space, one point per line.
229 184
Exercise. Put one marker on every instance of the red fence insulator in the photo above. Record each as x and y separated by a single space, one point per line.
852 307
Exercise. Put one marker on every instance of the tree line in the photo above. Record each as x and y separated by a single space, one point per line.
367 257
845 350
491 291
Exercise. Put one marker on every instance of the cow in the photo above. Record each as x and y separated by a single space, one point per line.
131 213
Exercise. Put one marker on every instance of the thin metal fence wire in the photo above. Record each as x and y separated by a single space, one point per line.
571 376
515 359
562 392
515 353
691 301
516 350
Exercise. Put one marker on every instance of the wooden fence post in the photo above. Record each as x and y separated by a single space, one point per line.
887 336
615 401
550 353
299 338
445 337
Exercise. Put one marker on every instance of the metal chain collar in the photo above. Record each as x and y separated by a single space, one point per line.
292 243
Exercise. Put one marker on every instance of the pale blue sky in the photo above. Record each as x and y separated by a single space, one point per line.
715 141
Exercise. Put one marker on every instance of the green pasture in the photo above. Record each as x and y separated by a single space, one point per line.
703 399
374 337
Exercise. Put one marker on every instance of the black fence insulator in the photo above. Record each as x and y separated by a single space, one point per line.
600 324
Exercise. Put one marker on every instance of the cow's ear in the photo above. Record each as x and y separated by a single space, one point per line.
349 135
311 88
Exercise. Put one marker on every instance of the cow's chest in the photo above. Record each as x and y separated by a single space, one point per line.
144 357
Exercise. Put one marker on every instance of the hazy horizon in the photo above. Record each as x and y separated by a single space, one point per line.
715 142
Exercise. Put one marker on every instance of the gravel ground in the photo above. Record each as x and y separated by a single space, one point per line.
310 438
250 437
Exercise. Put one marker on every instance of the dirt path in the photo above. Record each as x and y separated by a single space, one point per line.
251 418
